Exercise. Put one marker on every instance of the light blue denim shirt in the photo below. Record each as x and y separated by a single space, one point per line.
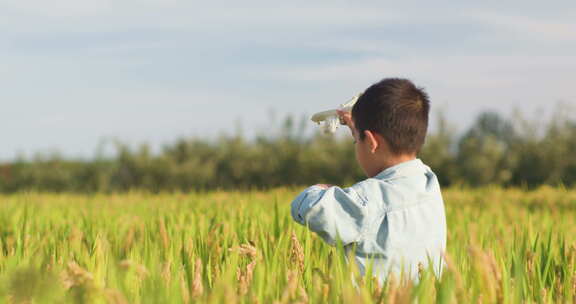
396 218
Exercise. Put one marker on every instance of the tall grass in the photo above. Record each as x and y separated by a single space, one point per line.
504 246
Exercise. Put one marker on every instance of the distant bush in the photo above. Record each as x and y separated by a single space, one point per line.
494 150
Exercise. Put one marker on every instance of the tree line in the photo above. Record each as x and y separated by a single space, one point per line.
508 151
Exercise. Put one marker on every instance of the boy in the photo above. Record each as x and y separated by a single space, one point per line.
395 217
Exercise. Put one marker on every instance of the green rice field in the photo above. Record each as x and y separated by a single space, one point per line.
504 246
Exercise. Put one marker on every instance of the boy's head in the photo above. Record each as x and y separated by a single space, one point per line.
391 121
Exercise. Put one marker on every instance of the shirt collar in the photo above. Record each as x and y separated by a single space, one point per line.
406 168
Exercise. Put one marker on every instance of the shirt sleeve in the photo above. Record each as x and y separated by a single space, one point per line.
333 213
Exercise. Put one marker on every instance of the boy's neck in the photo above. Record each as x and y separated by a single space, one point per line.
392 161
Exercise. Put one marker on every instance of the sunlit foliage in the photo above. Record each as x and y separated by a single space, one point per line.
504 246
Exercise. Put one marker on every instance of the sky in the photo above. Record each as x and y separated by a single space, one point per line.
79 72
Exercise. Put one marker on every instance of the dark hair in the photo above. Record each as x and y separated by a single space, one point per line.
396 109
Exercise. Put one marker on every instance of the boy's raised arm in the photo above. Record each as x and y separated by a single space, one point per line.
332 212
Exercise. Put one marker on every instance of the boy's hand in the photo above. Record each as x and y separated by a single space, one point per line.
323 186
346 119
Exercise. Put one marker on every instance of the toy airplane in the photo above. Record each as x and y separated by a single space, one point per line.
329 120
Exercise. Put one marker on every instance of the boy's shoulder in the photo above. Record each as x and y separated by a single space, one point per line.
399 187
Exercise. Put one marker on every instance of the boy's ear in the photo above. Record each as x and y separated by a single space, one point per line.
371 140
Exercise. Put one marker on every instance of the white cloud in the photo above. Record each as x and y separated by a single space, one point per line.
479 70
60 8
102 15
461 85
540 29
